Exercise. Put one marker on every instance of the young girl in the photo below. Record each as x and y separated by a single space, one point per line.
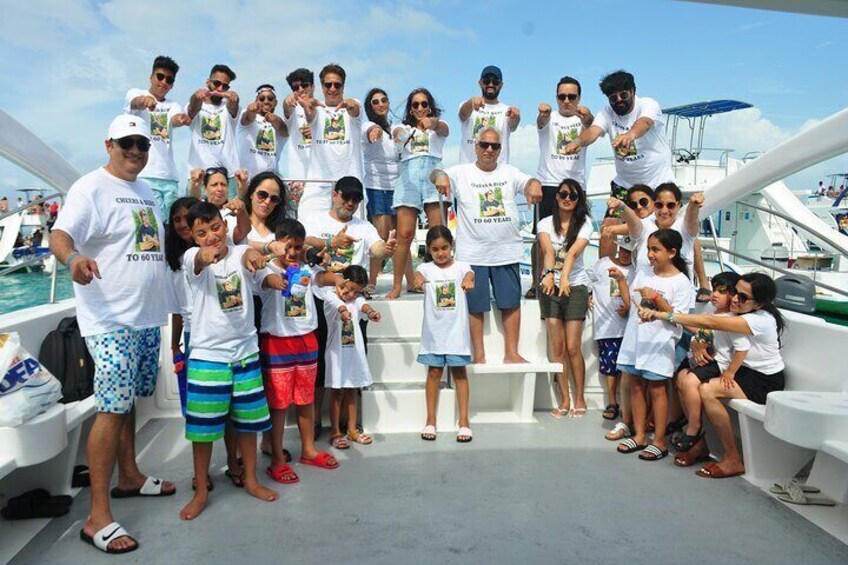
347 366
445 334
421 138
647 349
563 237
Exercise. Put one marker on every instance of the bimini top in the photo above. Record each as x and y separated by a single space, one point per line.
708 108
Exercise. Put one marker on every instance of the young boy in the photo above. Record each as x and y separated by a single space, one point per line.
224 379
289 352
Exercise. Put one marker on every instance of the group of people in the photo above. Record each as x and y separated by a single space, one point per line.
269 310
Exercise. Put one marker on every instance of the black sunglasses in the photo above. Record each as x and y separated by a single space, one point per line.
126 143
383 100
624 96
566 195
265 195
214 170
641 203
300 85
167 78
563 97
422 104
740 296
336 85
269 98
225 86
489 144
351 197
491 81
672 206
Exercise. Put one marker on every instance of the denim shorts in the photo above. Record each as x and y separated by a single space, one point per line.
647 375
505 281
439 360
380 202
414 188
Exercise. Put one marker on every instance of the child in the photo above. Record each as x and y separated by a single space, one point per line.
347 366
647 349
289 352
610 290
445 334
224 380
713 354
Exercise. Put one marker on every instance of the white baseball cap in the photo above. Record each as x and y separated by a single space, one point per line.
126 125
626 242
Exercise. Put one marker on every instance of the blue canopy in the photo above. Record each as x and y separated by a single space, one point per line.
708 108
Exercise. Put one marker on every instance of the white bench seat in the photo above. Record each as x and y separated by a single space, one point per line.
505 392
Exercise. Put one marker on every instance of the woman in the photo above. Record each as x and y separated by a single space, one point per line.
757 317
215 187
640 199
382 169
264 205
562 238
421 138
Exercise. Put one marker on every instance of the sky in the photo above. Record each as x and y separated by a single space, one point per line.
68 63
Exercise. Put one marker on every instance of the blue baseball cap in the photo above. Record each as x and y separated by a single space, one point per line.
492 70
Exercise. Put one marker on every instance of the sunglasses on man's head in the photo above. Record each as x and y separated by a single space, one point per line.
491 81
265 195
383 100
571 97
489 145
299 85
336 85
423 104
214 170
220 84
672 206
641 203
167 78
127 143
566 195
624 96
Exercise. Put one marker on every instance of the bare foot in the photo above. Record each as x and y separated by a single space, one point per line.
122 543
479 360
730 467
254 488
193 509
508 359
394 293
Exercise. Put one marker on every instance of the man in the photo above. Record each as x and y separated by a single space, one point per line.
4 205
346 240
120 300
635 125
556 131
488 236
163 115
480 112
261 133
213 111
302 84
336 125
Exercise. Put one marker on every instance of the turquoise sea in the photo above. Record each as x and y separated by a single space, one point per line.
22 290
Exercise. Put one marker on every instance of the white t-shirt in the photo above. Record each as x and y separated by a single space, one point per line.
578 272
764 355
607 296
487 233
649 159
290 315
300 144
181 297
380 160
222 307
254 235
554 164
213 139
323 226
490 115
649 226
423 143
103 215
160 162
724 343
445 330
649 346
260 146
346 362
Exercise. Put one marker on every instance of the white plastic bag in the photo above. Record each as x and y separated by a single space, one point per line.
26 389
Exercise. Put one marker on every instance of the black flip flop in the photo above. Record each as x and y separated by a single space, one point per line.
81 477
36 503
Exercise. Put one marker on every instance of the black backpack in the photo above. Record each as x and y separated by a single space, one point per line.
64 353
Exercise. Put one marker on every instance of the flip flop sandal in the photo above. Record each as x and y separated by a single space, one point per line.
611 412
577 413
676 426
360 438
236 478
560 413
685 442
428 433
781 488
81 477
794 495
110 533
339 442
682 460
464 435
619 432
210 486
36 504
713 471
323 460
653 453
415 291
630 446
530 294
282 474
151 487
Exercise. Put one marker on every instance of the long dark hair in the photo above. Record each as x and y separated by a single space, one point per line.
175 246
763 292
279 211
671 239
579 217
669 187
382 121
434 233
435 111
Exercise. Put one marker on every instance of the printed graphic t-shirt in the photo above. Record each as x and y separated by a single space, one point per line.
554 164
487 233
423 142
445 330
379 159
291 313
300 144
606 321
117 223
323 226
213 139
160 162
346 362
260 146
490 115
649 159
578 272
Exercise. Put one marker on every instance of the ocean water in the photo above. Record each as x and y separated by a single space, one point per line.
23 290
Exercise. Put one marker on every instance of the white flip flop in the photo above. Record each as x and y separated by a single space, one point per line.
111 532
465 433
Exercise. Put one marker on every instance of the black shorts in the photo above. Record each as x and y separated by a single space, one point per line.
757 385
704 372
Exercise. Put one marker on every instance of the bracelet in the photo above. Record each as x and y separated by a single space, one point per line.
328 243
71 257
266 248
548 272
671 318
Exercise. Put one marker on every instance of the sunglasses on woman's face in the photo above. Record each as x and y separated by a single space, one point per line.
740 296
269 98
566 195
422 104
672 206
383 100
265 195
641 203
